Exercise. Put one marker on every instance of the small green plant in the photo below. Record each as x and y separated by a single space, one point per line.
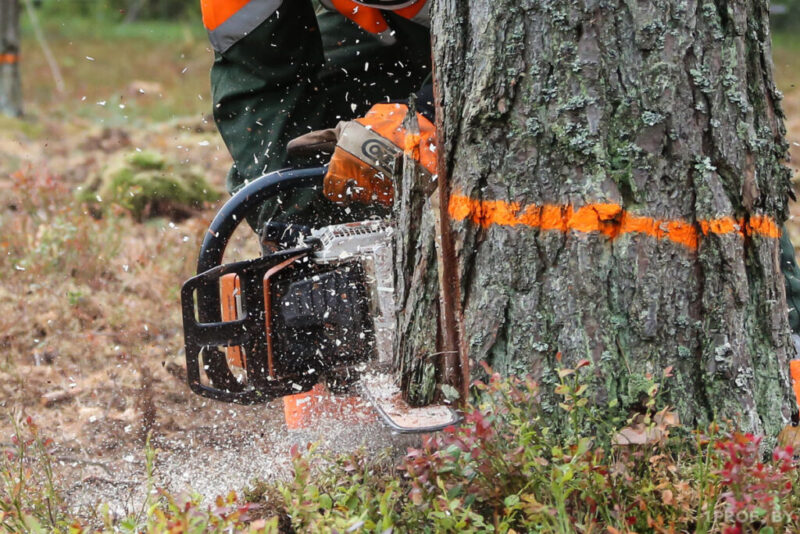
355 494
511 467
29 500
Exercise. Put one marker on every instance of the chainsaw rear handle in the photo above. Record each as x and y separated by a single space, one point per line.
208 326
246 332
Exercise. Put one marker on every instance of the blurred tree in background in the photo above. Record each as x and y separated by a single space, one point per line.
785 14
10 92
124 10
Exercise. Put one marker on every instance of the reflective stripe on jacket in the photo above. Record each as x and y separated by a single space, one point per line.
227 21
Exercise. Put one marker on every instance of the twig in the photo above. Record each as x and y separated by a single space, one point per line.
48 54
76 460
95 479
54 397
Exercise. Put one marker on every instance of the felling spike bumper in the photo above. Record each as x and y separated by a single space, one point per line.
794 370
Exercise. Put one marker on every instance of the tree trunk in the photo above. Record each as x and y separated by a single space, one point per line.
616 191
134 7
10 91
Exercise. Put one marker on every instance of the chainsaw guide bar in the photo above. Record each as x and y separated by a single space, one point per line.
381 390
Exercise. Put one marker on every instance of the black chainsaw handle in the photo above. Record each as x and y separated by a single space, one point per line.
236 210
246 200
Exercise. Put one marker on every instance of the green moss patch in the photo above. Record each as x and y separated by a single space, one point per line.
147 184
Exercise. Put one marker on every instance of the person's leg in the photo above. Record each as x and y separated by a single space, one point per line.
258 84
791 275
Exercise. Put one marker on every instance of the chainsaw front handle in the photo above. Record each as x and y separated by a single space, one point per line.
246 332
246 201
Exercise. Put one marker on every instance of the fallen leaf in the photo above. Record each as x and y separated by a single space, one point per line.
666 418
638 435
789 437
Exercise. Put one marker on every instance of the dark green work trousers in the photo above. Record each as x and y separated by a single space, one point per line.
301 71
791 275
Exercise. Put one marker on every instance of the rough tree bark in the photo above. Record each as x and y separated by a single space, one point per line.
417 339
10 91
615 191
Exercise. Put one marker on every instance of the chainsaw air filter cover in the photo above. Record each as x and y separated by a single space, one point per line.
319 318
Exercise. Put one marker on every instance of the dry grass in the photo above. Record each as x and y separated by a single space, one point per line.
89 308
786 56
91 339
155 72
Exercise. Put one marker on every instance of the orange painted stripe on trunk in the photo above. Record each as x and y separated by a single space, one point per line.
9 59
725 225
608 219
761 224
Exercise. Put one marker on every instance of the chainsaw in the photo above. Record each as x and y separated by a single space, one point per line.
320 308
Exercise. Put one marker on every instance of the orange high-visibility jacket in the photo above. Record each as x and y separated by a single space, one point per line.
227 21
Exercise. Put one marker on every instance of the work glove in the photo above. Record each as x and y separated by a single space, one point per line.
367 153
314 143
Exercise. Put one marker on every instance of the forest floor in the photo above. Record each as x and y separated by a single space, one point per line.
90 328
91 342
786 56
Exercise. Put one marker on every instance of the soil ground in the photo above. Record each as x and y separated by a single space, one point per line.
90 330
